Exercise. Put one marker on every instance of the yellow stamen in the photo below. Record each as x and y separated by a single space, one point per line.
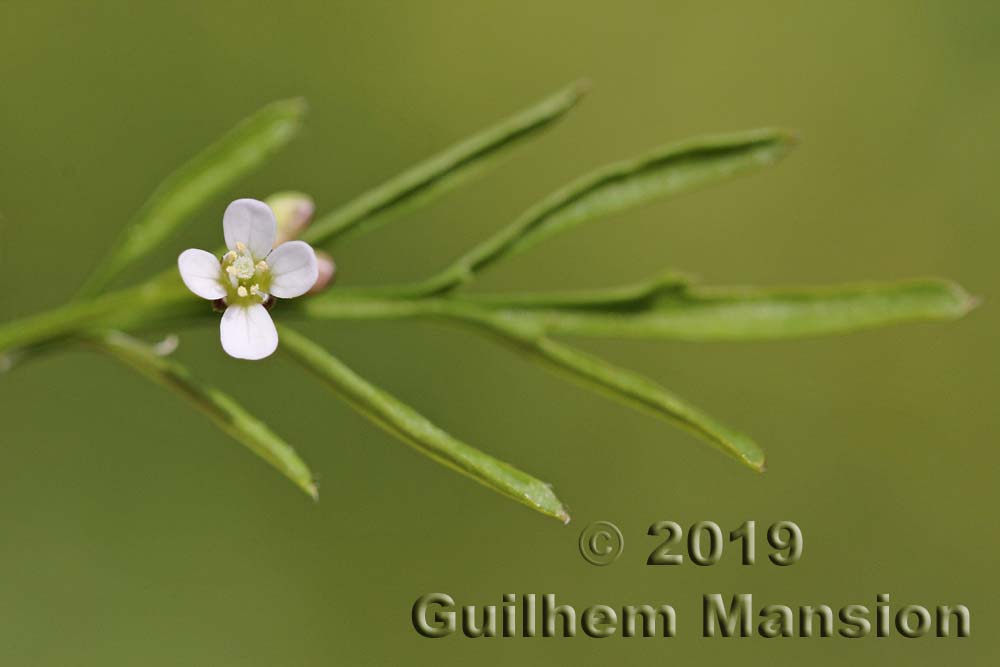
241 290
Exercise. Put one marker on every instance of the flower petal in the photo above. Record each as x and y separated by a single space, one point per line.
251 222
293 269
248 332
201 272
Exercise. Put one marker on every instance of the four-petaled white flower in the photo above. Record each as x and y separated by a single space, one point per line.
248 276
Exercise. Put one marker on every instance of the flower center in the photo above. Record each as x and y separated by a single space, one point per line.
243 267
245 280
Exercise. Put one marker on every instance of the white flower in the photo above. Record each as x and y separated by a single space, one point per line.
248 276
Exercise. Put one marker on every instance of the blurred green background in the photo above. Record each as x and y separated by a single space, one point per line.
133 532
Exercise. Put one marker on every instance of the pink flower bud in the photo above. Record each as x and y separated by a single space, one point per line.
327 272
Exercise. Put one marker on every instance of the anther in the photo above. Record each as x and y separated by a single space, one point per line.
241 290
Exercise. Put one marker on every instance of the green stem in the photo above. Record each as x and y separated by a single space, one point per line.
165 297
78 316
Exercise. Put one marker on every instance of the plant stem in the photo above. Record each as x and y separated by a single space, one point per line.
78 316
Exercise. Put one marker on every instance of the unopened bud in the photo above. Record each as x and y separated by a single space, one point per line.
327 272
293 211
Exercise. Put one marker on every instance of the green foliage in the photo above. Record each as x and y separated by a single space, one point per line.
668 306
207 175
621 384
665 172
671 310
414 429
225 412
433 177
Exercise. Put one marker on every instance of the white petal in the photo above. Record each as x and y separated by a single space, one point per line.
251 222
293 269
201 272
248 332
